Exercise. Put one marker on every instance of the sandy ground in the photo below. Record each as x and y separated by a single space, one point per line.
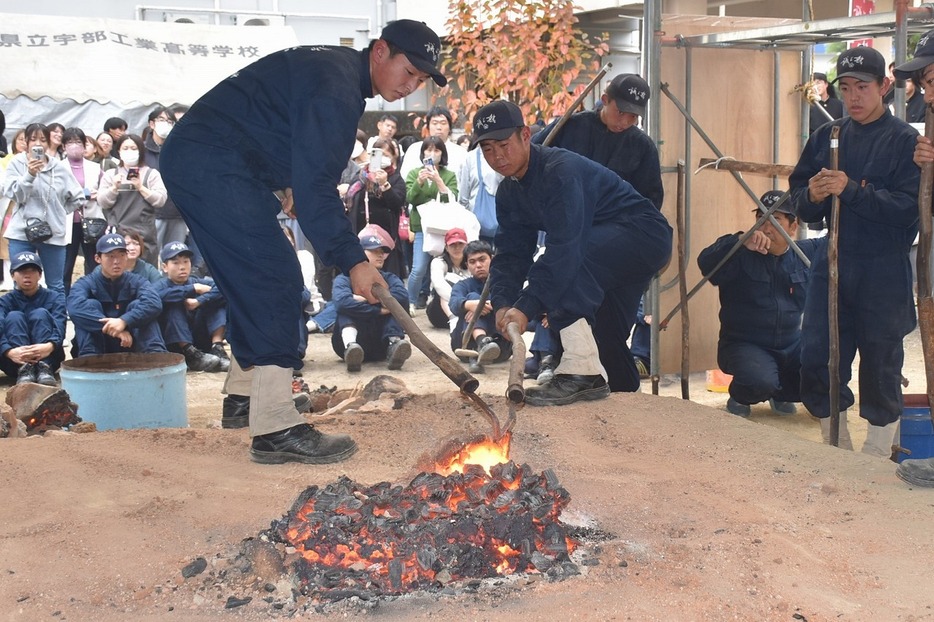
711 517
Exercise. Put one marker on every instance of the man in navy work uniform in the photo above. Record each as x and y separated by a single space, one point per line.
611 136
114 310
605 241
32 324
285 123
920 472
762 293
877 184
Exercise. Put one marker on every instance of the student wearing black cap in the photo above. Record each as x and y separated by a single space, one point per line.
611 136
32 324
762 292
826 99
605 241
114 310
920 472
877 185
286 123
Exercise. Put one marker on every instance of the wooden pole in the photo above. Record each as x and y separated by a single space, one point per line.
923 264
833 297
683 290
772 170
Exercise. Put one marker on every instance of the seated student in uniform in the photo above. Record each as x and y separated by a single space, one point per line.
194 312
114 310
32 324
364 331
490 346
762 294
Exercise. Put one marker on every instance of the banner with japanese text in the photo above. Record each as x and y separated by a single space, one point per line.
125 61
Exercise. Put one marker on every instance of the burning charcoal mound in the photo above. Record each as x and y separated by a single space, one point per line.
389 539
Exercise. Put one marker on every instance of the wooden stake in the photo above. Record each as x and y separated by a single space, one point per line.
925 294
833 296
772 170
683 290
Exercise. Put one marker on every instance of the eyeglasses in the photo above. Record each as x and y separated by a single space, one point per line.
169 121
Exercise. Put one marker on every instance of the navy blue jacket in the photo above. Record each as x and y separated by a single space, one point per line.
879 207
294 116
565 195
51 301
174 293
93 296
761 296
342 297
462 291
630 154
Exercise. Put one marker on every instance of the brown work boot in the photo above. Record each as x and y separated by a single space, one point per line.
301 443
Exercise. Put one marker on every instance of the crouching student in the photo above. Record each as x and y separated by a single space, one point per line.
194 313
490 346
114 310
32 324
364 331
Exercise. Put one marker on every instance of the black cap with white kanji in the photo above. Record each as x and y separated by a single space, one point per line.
630 92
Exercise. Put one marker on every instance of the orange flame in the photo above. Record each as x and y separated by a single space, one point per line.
486 453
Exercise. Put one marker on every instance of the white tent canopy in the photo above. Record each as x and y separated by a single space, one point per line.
83 70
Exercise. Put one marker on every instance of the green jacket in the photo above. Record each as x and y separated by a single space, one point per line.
416 194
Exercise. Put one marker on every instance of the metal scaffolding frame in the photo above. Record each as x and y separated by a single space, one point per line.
799 38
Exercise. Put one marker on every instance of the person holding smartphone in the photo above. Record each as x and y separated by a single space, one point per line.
131 193
44 190
432 181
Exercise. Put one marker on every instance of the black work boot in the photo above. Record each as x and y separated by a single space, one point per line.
398 353
200 361
301 443
236 412
567 389
546 370
26 373
44 375
217 349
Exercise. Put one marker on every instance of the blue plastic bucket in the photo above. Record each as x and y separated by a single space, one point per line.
128 390
916 429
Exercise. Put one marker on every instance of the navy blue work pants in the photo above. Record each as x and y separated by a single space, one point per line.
251 260
761 373
25 329
620 260
372 335
875 313
179 325
146 338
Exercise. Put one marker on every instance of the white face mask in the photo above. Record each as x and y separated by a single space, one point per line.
163 128
129 157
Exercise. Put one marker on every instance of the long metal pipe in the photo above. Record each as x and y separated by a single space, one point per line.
737 176
651 61
776 111
901 53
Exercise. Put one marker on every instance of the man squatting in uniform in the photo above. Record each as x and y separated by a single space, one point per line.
611 136
285 123
605 241
877 185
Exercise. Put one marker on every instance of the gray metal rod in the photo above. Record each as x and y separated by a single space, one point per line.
736 176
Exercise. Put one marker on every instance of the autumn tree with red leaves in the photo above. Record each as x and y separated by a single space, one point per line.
527 51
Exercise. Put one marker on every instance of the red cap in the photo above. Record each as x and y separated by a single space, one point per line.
455 235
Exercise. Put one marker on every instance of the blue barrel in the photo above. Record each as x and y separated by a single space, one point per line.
128 390
916 428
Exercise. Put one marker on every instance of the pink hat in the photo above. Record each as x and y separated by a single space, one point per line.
374 236
455 235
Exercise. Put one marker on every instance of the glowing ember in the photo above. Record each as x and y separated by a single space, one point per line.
471 523
485 453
